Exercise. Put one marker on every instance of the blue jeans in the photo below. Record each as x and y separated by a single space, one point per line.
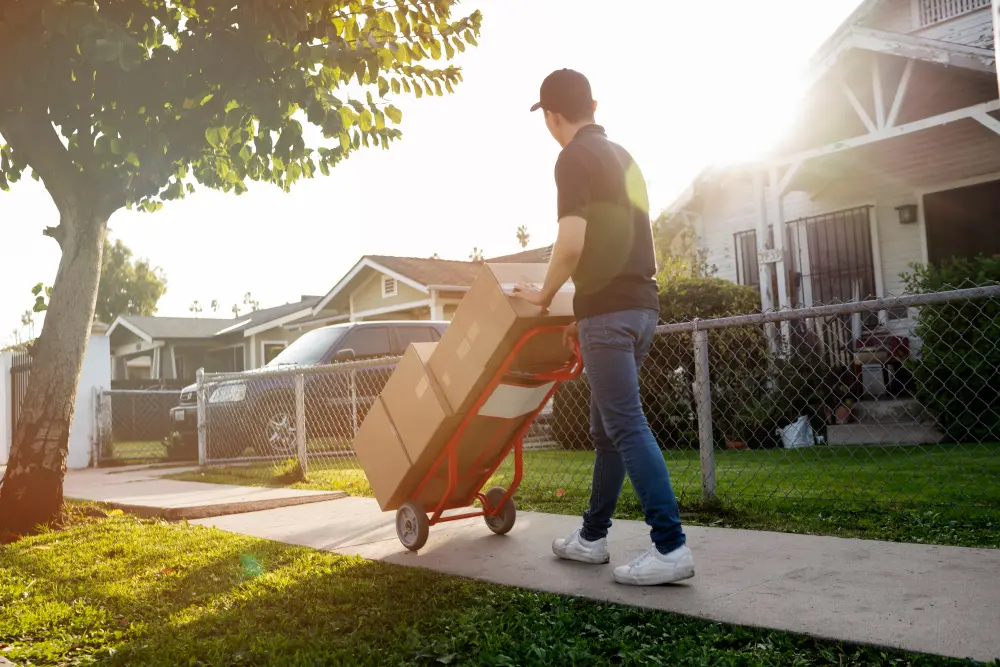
613 348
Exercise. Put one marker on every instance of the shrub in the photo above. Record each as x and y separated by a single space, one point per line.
180 448
665 379
955 373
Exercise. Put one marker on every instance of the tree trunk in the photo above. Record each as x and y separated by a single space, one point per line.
31 493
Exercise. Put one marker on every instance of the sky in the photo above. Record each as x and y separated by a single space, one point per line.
680 84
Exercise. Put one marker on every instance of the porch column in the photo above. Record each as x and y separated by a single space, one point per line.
765 269
437 308
154 372
996 35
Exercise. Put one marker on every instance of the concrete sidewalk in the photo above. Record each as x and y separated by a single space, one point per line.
943 600
142 490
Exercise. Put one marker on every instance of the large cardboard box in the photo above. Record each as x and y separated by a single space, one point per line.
487 325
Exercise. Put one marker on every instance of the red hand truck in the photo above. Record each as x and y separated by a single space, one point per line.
498 509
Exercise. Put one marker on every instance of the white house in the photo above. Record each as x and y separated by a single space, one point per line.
894 159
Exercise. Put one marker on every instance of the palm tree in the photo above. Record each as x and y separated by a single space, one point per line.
195 308
522 236
476 255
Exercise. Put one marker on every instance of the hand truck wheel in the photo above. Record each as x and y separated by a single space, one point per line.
501 522
412 525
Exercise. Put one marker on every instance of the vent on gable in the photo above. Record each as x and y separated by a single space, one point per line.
935 11
389 287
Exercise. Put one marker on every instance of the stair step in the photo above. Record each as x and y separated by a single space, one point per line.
883 434
897 411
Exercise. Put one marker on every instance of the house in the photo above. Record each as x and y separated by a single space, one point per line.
402 288
173 348
376 288
893 160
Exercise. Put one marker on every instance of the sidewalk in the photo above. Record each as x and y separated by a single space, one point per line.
942 600
142 490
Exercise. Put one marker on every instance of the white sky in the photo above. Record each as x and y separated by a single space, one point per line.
679 84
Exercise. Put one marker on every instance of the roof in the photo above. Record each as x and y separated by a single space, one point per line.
428 272
153 327
423 273
535 256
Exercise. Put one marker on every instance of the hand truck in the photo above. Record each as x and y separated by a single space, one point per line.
498 509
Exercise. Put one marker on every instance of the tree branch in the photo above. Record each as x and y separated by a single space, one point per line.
30 133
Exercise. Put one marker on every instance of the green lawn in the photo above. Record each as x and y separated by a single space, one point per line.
136 452
945 494
122 591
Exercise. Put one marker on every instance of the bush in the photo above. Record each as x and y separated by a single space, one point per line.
666 377
955 374
180 448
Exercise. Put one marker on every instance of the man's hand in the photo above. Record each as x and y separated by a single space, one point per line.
571 337
532 295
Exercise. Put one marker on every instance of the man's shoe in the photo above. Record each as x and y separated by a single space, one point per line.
653 568
576 548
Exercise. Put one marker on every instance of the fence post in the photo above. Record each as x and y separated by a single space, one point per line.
354 402
202 418
703 401
300 422
95 442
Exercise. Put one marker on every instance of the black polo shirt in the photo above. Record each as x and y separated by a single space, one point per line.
599 181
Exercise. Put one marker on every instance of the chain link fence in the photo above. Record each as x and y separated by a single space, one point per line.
135 426
891 402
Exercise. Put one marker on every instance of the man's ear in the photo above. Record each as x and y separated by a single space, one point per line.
595 106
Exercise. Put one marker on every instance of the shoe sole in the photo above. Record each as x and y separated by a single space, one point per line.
682 574
582 558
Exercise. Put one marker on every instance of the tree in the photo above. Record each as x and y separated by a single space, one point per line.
130 103
195 308
476 255
127 287
677 252
214 305
28 322
251 304
523 236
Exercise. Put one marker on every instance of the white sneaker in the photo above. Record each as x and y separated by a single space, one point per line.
576 548
653 568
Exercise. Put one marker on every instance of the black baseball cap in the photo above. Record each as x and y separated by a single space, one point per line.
567 92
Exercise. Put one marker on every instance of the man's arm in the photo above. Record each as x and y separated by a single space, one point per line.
565 256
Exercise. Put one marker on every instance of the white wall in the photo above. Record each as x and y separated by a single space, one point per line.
96 374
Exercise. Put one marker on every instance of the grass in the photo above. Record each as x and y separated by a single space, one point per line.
942 494
135 452
122 591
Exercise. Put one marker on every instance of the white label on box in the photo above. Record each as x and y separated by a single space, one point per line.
422 387
463 349
473 332
509 401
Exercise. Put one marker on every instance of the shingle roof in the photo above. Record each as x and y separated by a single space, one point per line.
258 317
451 273
534 256
159 328
430 271
177 327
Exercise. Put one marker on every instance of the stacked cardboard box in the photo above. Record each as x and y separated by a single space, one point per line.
436 386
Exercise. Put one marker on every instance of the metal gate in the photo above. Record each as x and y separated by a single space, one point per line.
20 370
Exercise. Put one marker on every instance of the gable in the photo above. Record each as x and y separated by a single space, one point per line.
965 22
369 296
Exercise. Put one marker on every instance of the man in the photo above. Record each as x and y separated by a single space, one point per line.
605 244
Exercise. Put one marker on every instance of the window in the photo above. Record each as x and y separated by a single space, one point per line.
368 342
389 287
179 360
747 271
271 350
934 11
409 335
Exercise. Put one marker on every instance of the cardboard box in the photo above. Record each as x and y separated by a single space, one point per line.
416 403
487 325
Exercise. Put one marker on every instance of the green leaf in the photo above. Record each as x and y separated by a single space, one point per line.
396 87
271 51
365 122
132 159
345 142
213 136
394 114
106 50
116 146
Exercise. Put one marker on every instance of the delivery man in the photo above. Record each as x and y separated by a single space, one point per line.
605 244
